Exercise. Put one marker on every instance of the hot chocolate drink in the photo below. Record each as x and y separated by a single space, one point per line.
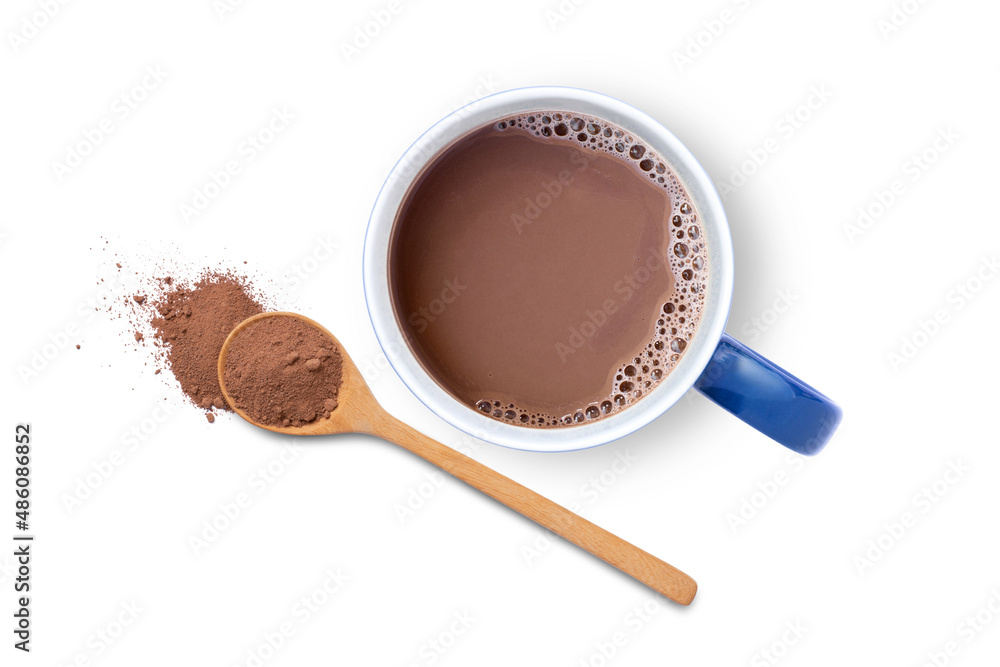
548 269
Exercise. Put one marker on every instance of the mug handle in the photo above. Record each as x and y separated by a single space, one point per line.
772 400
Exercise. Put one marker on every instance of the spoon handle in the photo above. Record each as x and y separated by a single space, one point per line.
630 559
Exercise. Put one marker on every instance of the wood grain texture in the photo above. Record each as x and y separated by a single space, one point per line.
359 412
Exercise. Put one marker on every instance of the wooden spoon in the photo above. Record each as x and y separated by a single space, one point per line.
359 412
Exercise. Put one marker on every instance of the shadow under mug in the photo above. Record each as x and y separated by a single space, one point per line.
746 384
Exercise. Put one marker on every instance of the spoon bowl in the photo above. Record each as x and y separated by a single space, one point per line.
359 412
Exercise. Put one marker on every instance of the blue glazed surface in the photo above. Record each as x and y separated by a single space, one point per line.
770 399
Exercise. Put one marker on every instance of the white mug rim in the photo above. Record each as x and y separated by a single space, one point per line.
715 231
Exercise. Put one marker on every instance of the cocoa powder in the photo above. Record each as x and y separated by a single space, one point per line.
282 371
192 323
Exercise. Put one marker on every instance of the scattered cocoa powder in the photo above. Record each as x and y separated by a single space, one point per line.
283 372
192 323
179 311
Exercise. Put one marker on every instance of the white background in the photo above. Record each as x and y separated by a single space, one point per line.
794 559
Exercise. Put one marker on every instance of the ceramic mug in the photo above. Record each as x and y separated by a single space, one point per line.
733 376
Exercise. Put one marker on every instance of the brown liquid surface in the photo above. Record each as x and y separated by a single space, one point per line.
531 273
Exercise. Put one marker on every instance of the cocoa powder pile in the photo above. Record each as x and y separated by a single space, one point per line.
282 371
192 323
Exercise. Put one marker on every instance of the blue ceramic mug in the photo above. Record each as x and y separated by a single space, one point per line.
746 384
